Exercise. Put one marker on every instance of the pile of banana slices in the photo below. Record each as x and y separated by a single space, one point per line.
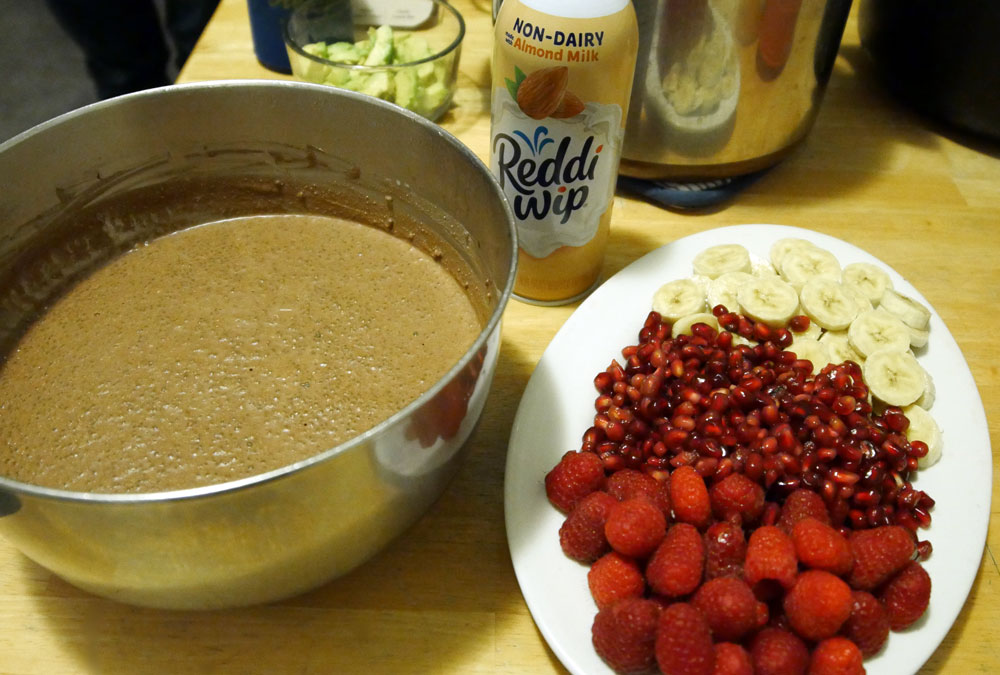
855 314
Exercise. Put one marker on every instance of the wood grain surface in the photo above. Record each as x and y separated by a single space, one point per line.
443 597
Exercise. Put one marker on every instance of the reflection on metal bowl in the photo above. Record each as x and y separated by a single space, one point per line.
727 87
227 149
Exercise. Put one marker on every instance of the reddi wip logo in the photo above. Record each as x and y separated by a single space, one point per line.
548 177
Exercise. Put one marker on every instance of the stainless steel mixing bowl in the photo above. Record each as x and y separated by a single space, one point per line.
85 186
727 87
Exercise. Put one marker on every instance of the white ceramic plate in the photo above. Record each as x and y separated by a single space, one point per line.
557 407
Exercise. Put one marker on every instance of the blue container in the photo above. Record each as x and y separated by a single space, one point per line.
266 23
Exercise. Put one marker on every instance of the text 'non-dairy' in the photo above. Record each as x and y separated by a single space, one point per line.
558 38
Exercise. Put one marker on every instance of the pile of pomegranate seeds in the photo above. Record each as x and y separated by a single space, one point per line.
735 408
718 458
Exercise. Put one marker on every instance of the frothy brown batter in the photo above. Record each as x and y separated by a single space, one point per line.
224 351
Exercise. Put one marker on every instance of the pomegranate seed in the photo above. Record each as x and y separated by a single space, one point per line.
799 324
675 438
896 420
603 382
683 422
844 405
753 466
844 477
613 463
706 466
657 358
614 430
858 519
762 332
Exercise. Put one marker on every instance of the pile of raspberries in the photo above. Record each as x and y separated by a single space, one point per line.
700 579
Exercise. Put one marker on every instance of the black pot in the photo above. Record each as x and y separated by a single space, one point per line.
941 56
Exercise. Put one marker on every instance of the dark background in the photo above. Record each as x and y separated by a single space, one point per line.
42 72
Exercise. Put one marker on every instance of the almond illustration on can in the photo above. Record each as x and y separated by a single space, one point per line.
541 92
570 106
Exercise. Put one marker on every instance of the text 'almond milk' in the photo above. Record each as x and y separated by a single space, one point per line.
562 76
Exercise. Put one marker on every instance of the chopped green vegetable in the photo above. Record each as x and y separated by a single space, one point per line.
316 49
343 52
424 88
406 88
383 48
411 48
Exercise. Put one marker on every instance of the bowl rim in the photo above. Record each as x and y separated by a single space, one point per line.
10 487
360 67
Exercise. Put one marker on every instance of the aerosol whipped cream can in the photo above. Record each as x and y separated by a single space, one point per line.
562 76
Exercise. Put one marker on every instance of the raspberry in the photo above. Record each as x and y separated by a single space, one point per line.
662 498
819 546
818 604
582 533
774 651
770 555
628 483
624 635
676 567
684 641
802 503
635 527
738 499
878 554
575 476
836 656
689 497
731 659
729 607
725 550
868 624
906 596
613 577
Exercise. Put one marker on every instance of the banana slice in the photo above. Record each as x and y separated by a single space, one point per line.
781 247
702 282
678 298
924 428
723 289
717 260
918 338
769 300
740 340
762 268
870 280
813 351
683 325
926 399
909 311
894 377
828 304
804 263
863 303
839 347
876 330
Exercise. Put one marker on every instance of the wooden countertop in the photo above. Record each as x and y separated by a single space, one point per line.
443 597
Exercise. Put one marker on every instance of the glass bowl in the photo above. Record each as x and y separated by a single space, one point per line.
407 56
